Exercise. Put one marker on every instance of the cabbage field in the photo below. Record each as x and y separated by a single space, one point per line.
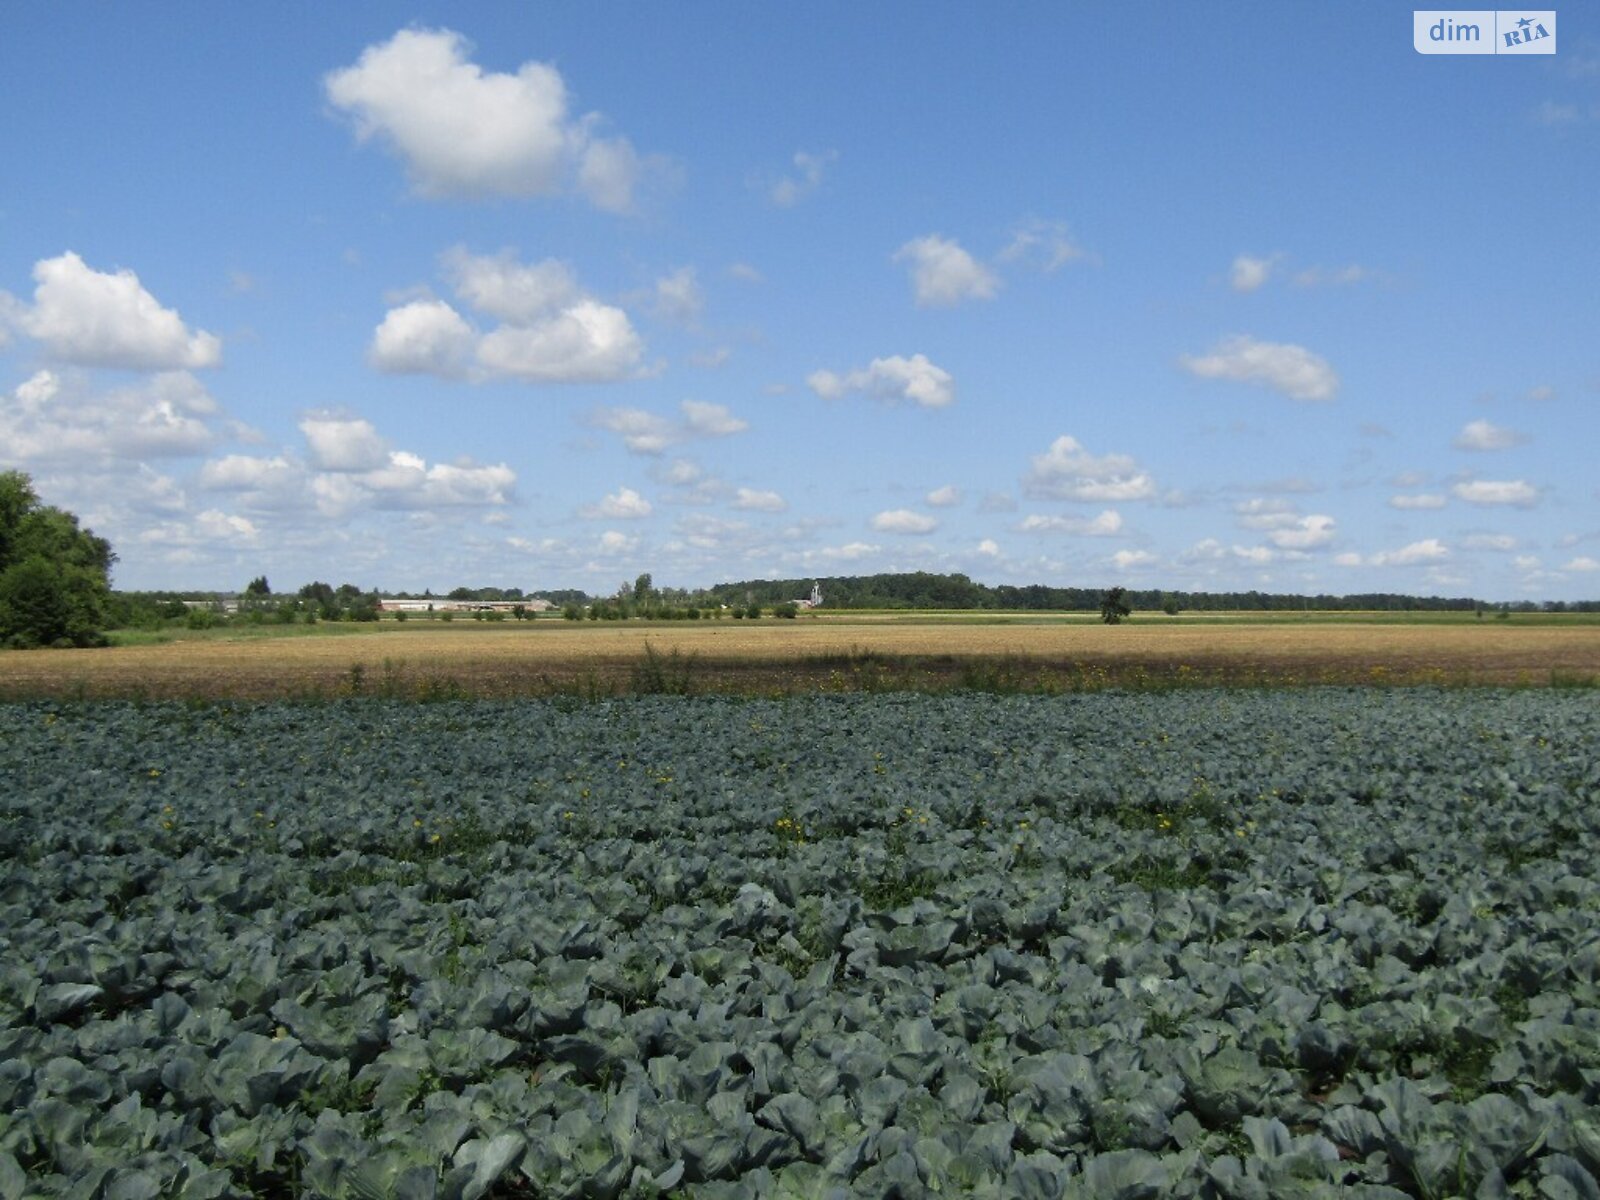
1237 944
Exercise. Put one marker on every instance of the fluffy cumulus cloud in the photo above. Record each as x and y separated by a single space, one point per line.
1429 550
892 380
947 496
463 131
107 319
1290 370
348 468
550 331
1107 523
1482 435
753 500
1067 471
60 418
1582 563
1265 512
513 291
338 443
809 168
1514 493
903 520
943 274
1306 533
644 432
624 504
424 337
1128 560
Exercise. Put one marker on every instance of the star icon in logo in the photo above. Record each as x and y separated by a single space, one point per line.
1524 23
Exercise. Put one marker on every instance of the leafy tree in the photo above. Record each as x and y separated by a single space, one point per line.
54 576
258 587
643 588
1112 607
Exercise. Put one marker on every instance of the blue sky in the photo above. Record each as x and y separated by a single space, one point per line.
1192 296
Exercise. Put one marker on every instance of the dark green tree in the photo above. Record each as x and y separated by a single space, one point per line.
55 587
258 587
1112 606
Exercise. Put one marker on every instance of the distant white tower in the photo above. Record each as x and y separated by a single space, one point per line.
816 594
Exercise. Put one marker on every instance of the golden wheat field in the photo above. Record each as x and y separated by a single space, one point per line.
546 657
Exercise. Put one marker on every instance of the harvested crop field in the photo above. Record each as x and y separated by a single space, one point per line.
544 657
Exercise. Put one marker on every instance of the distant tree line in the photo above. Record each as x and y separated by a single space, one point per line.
921 589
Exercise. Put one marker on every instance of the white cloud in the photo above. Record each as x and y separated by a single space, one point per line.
465 132
1430 550
1067 471
614 541
245 472
681 472
989 548
1526 562
1266 513
702 419
521 293
890 379
678 298
1481 435
352 469
744 272
849 552
1250 273
1421 501
943 274
1502 542
1259 555
645 432
551 332
1291 370
1047 244
752 500
1307 533
56 418
215 525
623 505
641 432
947 496
1107 523
343 443
809 169
587 343
423 337
1126 560
108 319
1582 563
1513 492
1347 559
903 520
